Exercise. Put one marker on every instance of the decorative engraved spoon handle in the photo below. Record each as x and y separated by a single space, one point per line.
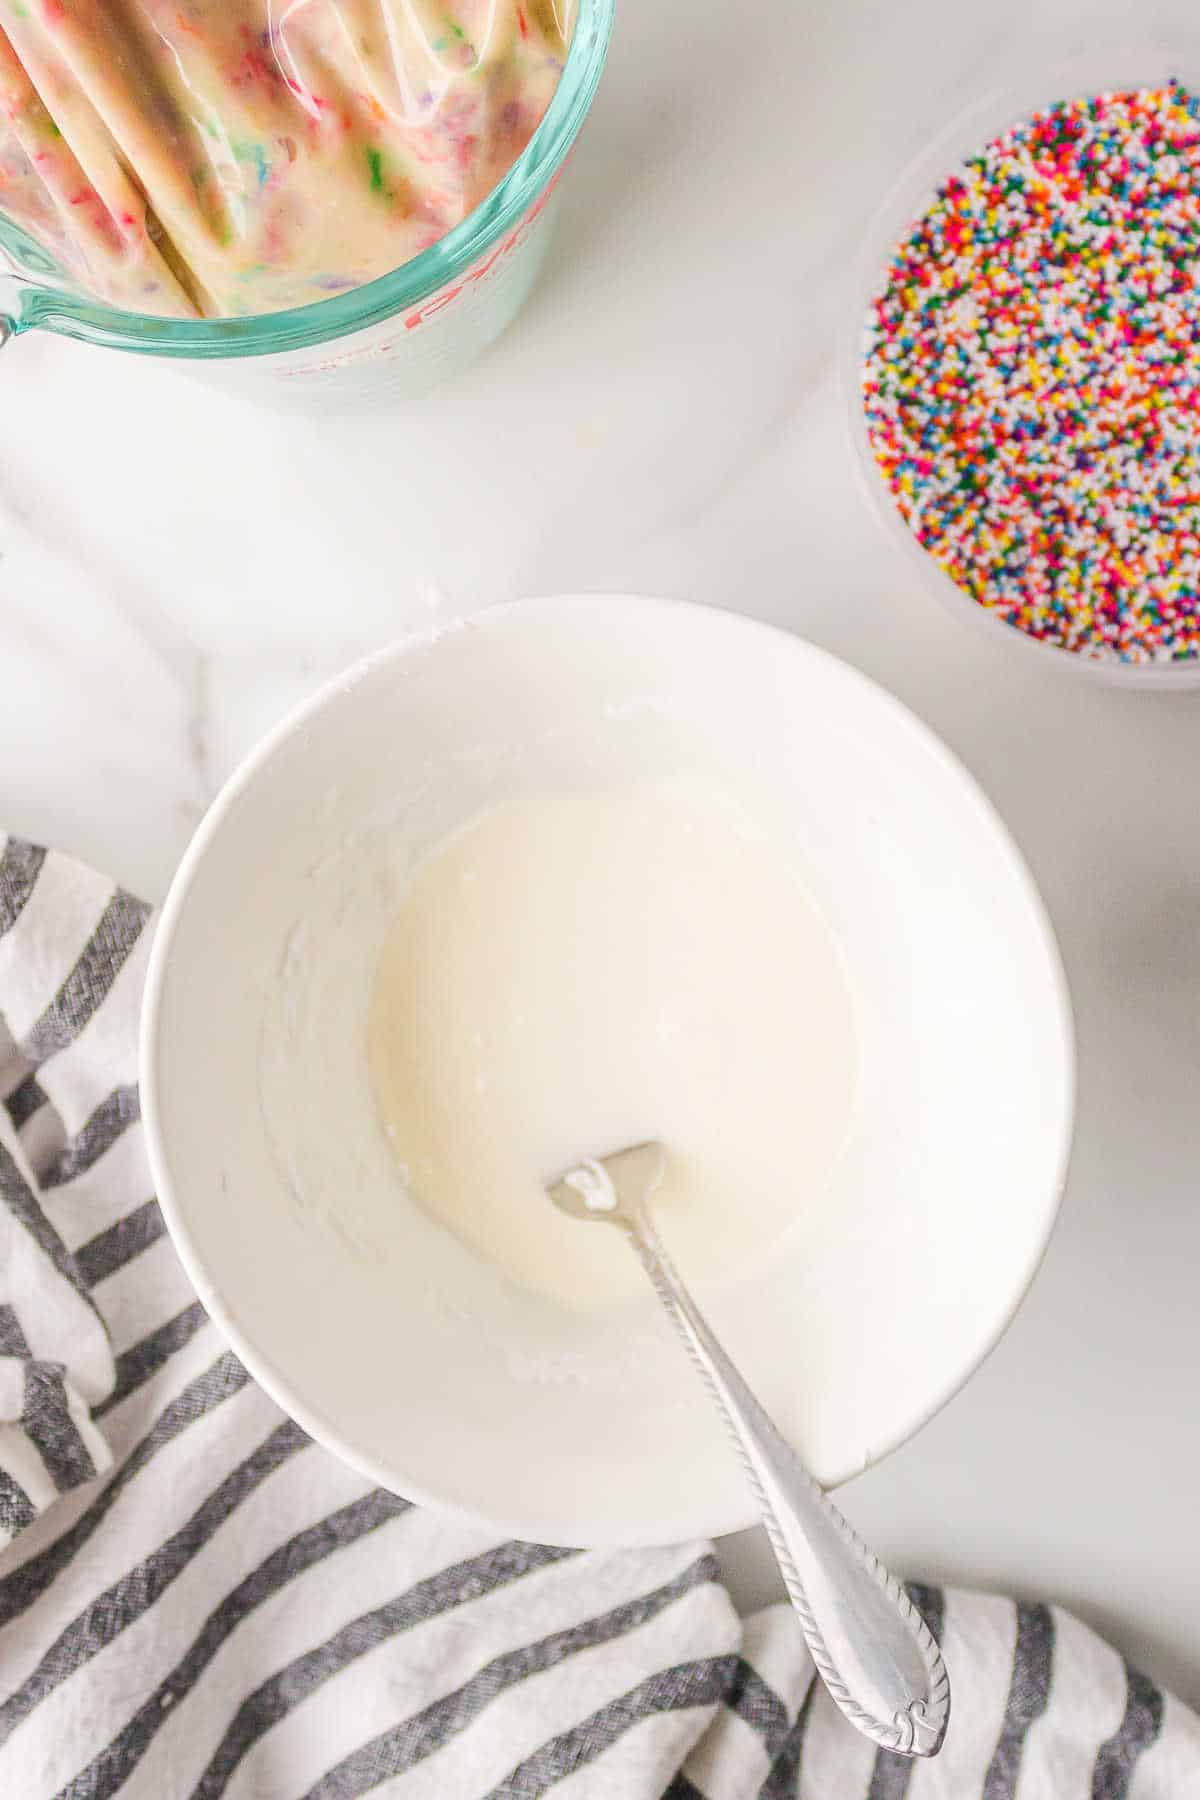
871 1646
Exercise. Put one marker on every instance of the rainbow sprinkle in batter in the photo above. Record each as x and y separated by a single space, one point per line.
1032 376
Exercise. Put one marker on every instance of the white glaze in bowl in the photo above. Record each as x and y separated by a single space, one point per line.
381 1334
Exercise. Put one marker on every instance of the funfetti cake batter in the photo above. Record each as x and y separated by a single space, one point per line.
575 973
229 157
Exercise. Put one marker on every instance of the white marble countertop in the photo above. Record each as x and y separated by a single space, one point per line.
176 570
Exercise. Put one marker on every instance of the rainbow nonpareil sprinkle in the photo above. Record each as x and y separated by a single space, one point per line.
1032 376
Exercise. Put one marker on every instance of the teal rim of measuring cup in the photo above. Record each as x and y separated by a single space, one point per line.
58 309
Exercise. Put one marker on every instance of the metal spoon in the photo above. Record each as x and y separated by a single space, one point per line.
871 1646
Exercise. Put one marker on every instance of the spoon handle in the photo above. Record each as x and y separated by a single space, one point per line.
871 1646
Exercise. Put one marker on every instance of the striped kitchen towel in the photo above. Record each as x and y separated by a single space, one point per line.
195 1600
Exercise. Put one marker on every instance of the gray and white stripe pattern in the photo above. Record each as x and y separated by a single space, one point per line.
195 1601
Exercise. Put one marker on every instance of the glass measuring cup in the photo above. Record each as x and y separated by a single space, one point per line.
393 338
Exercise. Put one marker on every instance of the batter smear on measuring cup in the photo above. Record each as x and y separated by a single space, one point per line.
1032 376
221 158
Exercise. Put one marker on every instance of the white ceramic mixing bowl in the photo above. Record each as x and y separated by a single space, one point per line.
391 1343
